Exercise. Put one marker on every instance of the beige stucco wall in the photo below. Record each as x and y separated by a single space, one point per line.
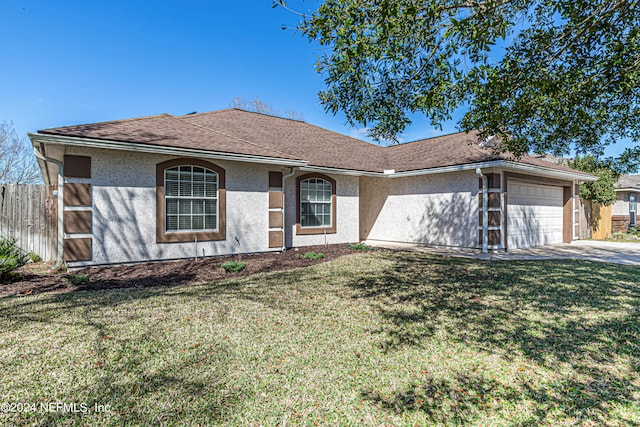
347 215
438 209
124 209
621 206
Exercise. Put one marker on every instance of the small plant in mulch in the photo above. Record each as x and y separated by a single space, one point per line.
311 256
358 246
76 279
34 257
11 257
233 266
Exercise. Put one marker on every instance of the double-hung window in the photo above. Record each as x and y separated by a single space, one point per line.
632 209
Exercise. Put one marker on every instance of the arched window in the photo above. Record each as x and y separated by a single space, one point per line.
316 204
632 209
190 201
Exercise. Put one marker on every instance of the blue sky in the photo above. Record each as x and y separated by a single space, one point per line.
68 62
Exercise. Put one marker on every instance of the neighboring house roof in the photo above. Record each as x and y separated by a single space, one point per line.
253 134
628 182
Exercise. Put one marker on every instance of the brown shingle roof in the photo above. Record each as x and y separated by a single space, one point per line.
242 132
455 149
447 150
167 131
628 181
318 146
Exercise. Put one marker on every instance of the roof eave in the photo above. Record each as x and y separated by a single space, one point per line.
38 138
506 164
551 172
43 165
340 171
155 149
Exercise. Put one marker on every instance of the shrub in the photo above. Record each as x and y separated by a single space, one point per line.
358 246
34 257
233 266
633 233
11 256
76 279
313 256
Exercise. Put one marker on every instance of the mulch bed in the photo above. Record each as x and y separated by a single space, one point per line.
37 278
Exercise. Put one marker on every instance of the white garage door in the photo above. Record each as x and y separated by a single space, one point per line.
534 215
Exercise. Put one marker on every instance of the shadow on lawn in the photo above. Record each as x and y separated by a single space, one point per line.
462 399
266 290
133 373
581 313
142 395
126 373
444 400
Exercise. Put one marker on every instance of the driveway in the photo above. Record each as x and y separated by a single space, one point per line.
592 250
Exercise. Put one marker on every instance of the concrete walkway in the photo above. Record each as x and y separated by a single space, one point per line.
592 250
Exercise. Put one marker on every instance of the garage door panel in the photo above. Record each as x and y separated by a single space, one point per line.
535 214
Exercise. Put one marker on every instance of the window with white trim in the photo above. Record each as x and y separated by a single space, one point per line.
191 199
632 209
315 203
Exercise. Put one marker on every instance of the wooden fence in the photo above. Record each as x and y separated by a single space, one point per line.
585 228
28 213
594 220
601 219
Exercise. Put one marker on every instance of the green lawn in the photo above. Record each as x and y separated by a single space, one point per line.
368 339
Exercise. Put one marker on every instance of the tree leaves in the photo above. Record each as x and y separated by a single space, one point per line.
545 76
603 190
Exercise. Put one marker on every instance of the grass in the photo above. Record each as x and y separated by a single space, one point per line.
367 339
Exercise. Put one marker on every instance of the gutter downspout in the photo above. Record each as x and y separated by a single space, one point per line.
59 195
292 171
485 211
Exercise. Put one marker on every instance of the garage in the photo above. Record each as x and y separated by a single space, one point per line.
534 215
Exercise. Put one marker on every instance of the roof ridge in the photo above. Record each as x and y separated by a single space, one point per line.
204 113
480 150
386 160
342 134
425 139
180 119
265 114
131 119
241 110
